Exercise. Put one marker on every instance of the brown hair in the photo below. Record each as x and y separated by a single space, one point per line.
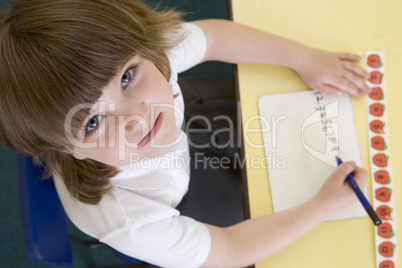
55 55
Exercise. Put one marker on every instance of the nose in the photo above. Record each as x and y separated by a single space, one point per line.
137 122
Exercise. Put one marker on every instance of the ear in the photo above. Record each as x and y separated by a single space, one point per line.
78 156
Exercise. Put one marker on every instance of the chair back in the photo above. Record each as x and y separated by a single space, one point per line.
43 217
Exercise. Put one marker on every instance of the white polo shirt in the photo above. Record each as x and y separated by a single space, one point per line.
138 216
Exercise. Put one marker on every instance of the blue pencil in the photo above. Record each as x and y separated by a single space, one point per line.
367 206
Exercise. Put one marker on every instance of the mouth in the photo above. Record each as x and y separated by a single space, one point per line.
154 130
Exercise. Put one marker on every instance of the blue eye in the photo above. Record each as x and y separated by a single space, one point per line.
127 76
93 123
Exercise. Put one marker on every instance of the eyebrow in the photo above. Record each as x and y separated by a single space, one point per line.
129 65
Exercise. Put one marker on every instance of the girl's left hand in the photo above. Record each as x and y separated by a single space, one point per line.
333 73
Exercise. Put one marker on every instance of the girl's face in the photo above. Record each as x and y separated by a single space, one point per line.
134 118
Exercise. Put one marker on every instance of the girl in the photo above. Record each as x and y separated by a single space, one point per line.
89 87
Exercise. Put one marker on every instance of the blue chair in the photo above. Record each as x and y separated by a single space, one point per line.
47 240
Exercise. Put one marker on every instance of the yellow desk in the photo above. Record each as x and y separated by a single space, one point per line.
336 25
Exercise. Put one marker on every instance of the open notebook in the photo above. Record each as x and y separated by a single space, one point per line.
303 132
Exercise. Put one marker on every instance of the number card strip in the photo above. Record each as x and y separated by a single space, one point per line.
383 201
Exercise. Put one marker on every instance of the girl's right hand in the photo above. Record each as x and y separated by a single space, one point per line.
258 238
336 194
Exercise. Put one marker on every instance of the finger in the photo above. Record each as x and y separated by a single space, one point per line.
345 169
343 84
328 90
361 176
357 70
348 56
358 82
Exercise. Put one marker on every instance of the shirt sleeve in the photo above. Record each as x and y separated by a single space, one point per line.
173 242
190 51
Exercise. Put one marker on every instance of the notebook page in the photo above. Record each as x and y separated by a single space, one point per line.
304 131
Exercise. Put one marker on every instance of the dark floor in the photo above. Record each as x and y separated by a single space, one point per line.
12 251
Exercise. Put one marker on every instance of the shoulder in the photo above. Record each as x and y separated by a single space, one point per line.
190 50
172 242
140 227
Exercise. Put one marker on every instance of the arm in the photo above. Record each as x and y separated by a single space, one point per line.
327 72
255 239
